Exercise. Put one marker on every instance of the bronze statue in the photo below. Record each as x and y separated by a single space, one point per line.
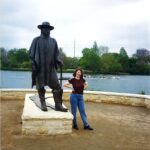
44 54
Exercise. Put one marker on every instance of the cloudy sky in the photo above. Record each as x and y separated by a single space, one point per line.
112 23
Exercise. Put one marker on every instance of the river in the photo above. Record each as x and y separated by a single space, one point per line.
108 83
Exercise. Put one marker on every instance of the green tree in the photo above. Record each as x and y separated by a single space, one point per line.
12 61
132 65
103 50
62 54
25 64
90 60
99 50
3 57
110 64
69 62
123 52
18 57
95 48
22 55
123 59
139 66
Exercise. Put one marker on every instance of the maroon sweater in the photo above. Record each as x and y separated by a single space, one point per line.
78 85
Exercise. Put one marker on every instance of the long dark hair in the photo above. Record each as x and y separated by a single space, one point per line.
74 74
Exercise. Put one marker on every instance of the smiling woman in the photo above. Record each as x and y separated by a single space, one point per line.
76 98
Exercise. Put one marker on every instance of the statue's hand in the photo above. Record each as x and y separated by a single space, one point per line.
60 63
34 67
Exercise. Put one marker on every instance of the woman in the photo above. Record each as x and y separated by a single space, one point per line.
78 84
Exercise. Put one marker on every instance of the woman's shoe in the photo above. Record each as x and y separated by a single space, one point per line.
88 128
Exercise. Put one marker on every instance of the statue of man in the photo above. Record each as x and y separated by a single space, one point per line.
44 54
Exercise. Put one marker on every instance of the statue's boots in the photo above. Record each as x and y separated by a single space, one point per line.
42 99
61 94
57 94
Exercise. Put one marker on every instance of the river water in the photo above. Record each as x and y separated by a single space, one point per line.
108 83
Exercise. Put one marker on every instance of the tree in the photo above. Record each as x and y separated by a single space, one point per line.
99 50
62 54
22 55
18 58
123 52
103 50
110 64
3 57
95 48
69 62
124 59
139 66
90 60
12 61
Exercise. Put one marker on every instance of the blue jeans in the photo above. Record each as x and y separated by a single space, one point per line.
76 100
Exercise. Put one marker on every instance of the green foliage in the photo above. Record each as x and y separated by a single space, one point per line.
90 60
113 63
95 48
103 50
17 58
26 64
139 66
99 50
62 54
123 52
3 57
94 60
110 63
70 63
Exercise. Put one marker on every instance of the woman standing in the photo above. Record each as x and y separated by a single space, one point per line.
78 84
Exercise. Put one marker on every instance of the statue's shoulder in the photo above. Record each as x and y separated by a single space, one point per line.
36 38
53 39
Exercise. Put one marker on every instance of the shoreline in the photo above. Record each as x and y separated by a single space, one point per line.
71 71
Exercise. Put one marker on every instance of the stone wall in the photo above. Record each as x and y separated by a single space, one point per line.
91 96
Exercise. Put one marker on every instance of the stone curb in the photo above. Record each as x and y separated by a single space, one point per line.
91 96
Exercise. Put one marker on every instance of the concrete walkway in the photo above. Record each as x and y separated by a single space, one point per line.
116 127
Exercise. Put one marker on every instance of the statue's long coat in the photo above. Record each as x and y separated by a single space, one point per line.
44 54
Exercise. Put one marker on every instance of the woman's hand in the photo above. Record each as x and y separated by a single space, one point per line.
68 85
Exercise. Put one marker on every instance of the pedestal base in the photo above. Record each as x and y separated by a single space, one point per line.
37 122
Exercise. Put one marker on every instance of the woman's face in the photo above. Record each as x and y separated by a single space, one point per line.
78 73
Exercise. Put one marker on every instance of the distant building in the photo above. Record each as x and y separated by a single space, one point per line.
142 52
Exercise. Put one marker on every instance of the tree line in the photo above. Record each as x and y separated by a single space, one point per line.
96 59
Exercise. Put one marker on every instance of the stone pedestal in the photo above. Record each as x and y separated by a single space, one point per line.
37 122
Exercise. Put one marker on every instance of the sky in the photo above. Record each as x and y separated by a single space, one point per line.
112 23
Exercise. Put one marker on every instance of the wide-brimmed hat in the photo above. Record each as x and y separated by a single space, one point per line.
45 25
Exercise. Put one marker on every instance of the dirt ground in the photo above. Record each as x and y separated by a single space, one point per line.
116 127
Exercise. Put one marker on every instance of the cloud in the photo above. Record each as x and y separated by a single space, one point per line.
113 23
